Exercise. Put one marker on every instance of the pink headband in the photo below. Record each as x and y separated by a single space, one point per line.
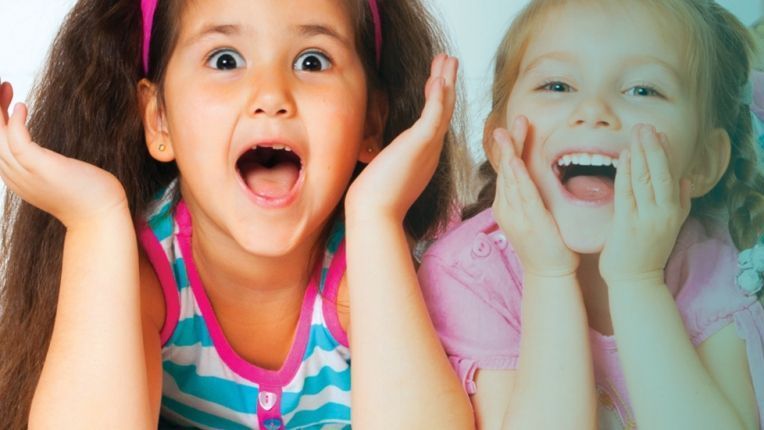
148 7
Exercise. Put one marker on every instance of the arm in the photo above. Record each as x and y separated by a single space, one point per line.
401 376
94 375
670 383
555 366
671 386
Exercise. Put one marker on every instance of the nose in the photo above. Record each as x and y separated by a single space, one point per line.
271 94
594 111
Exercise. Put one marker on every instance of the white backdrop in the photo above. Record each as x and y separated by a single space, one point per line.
475 27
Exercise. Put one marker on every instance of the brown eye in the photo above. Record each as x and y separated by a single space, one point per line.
312 61
226 60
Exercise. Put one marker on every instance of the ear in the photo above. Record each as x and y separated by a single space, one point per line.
158 139
374 126
489 146
710 163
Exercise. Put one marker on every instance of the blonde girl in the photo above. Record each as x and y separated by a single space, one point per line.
594 284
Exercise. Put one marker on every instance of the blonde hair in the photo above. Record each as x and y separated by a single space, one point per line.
719 60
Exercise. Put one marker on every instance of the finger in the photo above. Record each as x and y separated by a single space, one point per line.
640 175
685 195
624 195
427 127
436 72
665 188
20 142
450 71
519 134
507 189
6 95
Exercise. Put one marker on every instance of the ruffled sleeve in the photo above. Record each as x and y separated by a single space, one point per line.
470 280
701 274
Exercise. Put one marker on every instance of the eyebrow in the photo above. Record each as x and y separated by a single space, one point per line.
210 29
555 56
322 30
307 30
637 61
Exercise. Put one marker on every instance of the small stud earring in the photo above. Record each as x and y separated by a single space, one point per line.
162 147
370 150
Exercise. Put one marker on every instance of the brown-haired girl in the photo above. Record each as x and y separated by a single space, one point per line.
600 290
227 133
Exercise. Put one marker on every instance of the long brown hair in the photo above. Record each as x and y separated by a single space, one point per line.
719 58
85 106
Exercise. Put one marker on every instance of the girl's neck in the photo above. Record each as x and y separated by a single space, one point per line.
595 294
229 271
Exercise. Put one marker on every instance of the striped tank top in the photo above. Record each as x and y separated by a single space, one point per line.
205 383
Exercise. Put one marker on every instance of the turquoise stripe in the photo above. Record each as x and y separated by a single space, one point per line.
314 385
200 417
191 331
161 223
240 398
322 283
335 237
181 276
320 337
330 411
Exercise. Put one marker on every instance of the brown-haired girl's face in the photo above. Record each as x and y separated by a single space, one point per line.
264 112
592 72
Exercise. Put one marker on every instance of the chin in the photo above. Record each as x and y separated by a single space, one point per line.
584 237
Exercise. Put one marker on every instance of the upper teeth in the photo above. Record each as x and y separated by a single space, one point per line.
278 147
584 159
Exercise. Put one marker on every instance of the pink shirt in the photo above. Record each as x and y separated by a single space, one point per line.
472 282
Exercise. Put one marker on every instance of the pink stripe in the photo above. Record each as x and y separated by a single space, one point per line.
230 357
331 290
159 260
377 20
148 7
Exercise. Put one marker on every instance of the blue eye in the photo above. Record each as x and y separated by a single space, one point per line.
556 87
226 59
643 91
312 61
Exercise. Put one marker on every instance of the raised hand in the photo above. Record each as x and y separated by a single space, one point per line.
651 204
391 183
521 213
71 190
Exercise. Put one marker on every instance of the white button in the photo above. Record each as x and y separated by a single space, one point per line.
267 400
500 240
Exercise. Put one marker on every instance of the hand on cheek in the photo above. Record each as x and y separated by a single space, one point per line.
521 213
396 177
650 206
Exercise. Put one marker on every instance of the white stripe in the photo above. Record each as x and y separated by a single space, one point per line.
312 367
170 389
207 362
330 394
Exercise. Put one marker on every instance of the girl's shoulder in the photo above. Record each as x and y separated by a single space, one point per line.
476 247
701 274
473 270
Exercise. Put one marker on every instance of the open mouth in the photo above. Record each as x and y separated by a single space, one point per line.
587 177
270 172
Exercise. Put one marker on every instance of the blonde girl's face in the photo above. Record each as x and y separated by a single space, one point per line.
264 110
591 72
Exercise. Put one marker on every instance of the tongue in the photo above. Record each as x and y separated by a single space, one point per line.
273 182
590 188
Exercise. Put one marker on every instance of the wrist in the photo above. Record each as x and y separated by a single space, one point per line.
110 219
636 281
